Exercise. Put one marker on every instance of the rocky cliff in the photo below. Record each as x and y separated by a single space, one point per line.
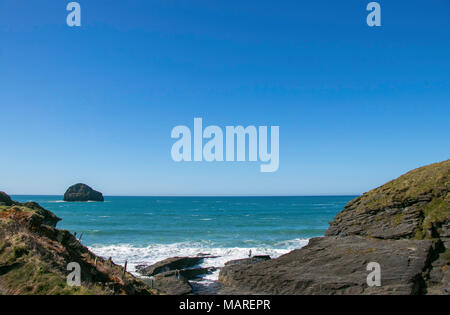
34 256
403 226
82 192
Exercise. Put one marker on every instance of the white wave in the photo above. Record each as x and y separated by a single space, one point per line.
293 243
151 254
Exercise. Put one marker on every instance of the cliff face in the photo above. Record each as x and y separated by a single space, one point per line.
415 205
402 225
34 256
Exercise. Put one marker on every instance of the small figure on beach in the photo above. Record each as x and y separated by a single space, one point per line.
250 253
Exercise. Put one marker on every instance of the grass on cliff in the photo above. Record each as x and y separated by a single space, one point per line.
432 181
25 272
32 264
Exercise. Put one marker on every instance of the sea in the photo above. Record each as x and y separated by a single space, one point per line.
145 230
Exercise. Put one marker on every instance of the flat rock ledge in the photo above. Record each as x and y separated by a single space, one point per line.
333 265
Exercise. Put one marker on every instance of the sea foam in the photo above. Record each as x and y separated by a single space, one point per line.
151 254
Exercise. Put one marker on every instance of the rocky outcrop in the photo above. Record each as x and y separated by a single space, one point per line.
232 267
414 205
82 192
171 283
34 256
172 275
169 264
247 261
403 226
5 200
333 265
196 273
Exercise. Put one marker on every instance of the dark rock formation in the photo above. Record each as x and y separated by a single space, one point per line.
196 273
34 256
403 226
169 264
229 270
5 200
170 282
333 265
82 192
413 206
172 275
247 261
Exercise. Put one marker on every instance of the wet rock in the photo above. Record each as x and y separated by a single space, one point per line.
171 276
196 273
169 264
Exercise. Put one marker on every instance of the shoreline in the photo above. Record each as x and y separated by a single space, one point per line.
151 254
402 227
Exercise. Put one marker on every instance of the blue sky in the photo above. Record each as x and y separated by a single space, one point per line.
356 106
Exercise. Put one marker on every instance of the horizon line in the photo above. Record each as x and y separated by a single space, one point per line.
204 196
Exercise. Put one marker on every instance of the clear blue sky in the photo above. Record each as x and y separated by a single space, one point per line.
356 106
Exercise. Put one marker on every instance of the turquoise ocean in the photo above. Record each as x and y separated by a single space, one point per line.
144 230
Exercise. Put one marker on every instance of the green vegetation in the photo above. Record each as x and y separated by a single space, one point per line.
427 187
33 261
438 210
446 255
398 219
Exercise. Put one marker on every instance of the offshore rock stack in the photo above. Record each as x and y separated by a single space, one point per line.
82 192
